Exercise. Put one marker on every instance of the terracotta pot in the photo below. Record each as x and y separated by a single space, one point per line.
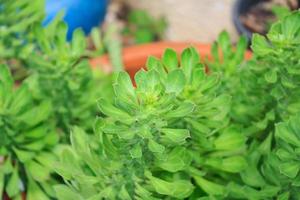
135 57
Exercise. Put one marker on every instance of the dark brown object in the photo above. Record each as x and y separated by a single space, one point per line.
260 16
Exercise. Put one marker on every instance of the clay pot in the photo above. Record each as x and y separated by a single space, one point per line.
135 57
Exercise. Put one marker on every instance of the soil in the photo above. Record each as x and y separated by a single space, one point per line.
260 16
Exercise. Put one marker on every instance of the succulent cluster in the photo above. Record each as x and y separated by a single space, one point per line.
16 20
145 134
37 112
183 133
186 128
26 139
60 73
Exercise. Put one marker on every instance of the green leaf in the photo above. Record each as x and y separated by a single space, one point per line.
96 38
7 166
61 33
288 82
21 99
143 193
152 81
124 194
143 36
108 146
179 189
141 81
286 31
113 45
68 165
260 46
241 47
124 90
210 82
198 75
175 81
79 141
24 156
6 78
183 110
284 196
154 64
251 175
189 59
178 159
13 185
65 193
35 145
289 169
37 132
112 111
176 136
280 11
209 187
224 42
230 139
37 114
3 95
78 42
246 192
285 155
170 60
47 159
35 192
37 171
215 52
232 164
51 138
136 151
265 146
271 76
200 127
286 134
155 147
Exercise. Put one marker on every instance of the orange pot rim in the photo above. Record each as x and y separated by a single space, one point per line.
135 57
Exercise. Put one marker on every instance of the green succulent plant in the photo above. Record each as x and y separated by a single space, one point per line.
169 121
59 73
282 166
16 19
182 133
278 61
287 138
187 128
143 27
37 112
27 140
265 93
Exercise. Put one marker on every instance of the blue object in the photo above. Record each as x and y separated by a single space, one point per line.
84 14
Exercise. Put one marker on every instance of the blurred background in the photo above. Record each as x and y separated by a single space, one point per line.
200 20
144 21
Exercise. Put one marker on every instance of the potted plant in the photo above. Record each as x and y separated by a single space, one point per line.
232 133
257 16
190 128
